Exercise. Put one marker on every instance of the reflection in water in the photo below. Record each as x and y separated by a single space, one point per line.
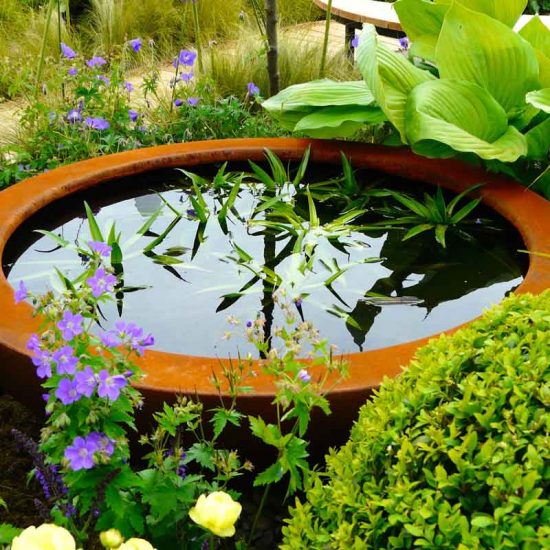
184 275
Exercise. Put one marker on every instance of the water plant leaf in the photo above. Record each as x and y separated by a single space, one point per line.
417 229
228 204
95 232
301 172
58 239
389 76
477 48
262 175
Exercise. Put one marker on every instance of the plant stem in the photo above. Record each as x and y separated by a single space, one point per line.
211 545
59 43
257 515
43 47
196 23
325 40
175 83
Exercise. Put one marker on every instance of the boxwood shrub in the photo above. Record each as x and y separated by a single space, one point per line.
454 453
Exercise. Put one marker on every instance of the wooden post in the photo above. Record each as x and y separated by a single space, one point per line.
273 48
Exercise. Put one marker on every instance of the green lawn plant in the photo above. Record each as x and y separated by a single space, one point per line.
452 454
472 86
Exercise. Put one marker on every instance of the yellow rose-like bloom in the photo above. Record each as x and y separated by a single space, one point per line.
216 512
111 538
136 544
45 537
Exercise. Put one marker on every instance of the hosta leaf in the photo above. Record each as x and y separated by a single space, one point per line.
422 21
538 35
463 116
540 99
340 121
472 46
506 11
320 93
538 141
390 77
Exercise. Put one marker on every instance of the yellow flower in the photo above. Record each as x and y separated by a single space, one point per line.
111 538
136 544
216 512
45 537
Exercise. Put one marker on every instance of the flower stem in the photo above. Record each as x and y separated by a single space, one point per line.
257 515
196 23
43 47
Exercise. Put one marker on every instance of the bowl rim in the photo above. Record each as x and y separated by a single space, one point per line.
169 373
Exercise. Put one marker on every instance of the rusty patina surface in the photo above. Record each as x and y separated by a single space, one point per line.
168 373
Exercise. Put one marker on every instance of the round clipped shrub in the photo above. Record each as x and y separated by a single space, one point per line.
454 453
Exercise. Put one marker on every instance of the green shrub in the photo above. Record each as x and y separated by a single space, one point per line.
454 453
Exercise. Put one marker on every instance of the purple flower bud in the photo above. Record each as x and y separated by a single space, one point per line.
178 102
21 293
355 41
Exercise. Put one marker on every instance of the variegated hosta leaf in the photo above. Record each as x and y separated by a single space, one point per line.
474 47
390 77
463 116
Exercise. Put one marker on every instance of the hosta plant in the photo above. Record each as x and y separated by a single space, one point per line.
471 84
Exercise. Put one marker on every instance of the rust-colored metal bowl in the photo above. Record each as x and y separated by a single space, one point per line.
169 373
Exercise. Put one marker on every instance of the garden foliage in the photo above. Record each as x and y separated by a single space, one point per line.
454 453
467 86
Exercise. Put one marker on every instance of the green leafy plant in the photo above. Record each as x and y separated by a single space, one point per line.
461 99
453 453
431 213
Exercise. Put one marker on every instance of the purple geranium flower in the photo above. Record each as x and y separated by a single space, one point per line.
81 454
42 359
73 71
110 339
136 44
304 376
74 116
103 79
192 101
129 86
355 41
133 115
178 102
67 391
97 123
186 77
101 248
67 52
86 381
101 282
66 360
185 57
103 444
96 61
21 293
70 325
404 43
252 89
110 386
34 343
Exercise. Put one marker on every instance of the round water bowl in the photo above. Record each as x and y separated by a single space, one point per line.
168 374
